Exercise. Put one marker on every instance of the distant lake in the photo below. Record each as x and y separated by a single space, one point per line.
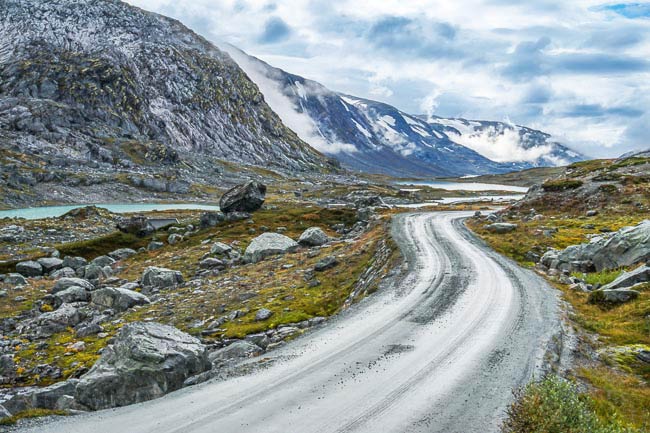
496 199
32 213
466 186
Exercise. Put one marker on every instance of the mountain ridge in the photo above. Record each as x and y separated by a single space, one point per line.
355 130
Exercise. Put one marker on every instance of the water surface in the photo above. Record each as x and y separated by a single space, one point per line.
32 213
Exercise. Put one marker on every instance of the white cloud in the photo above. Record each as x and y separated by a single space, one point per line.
461 76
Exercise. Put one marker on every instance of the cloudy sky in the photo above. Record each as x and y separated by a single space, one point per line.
577 69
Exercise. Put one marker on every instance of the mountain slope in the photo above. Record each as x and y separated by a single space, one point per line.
376 137
105 83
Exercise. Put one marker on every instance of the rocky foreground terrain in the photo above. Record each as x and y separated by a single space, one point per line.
122 316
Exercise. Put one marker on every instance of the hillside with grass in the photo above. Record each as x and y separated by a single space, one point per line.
589 201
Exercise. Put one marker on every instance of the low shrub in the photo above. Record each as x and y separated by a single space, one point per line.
561 185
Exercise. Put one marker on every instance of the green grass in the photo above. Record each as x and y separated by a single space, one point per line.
554 405
31 413
561 184
102 245
603 277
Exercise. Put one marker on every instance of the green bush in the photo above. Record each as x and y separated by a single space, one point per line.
561 185
554 405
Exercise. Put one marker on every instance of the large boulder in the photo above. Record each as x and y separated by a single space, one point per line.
146 361
237 350
629 279
15 279
160 278
625 247
248 197
138 225
118 299
268 244
29 268
74 262
65 283
614 296
313 237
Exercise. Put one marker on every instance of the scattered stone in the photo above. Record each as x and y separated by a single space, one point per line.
237 350
118 299
137 225
326 263
65 283
248 197
643 356
146 361
74 262
15 279
155 245
211 219
174 238
64 273
49 264
268 244
263 314
161 278
59 320
29 268
614 296
102 261
591 213
501 228
122 253
313 237
72 294
220 248
88 330
212 263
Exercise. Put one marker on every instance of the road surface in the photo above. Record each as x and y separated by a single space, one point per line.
438 352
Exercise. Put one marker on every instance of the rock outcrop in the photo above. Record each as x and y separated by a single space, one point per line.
146 361
625 247
313 237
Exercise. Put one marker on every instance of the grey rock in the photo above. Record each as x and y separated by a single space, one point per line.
629 279
501 228
625 247
220 248
50 264
65 283
268 244
15 279
137 225
155 245
88 330
212 263
644 356
122 253
64 273
74 262
146 361
174 238
29 268
72 294
248 197
102 261
118 299
237 350
4 413
313 237
211 219
59 320
160 278
326 263
49 397
7 368
614 296
263 314
92 272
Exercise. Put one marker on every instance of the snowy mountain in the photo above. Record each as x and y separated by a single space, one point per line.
375 137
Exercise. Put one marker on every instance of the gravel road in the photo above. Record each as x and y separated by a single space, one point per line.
439 351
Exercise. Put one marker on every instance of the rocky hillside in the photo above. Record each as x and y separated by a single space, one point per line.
618 186
378 138
103 86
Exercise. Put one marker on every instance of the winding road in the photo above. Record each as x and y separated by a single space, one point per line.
437 351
